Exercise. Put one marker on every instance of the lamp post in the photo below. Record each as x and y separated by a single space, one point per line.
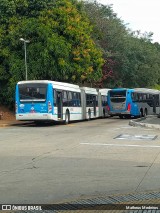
25 51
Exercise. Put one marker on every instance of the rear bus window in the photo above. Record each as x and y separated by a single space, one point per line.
32 92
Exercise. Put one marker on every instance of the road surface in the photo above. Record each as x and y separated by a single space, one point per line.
57 163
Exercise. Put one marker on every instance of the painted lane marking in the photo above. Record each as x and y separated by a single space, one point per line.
118 145
136 137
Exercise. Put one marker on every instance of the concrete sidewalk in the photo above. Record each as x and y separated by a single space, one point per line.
151 121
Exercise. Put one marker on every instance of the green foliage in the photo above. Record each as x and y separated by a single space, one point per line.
157 86
131 59
60 48
73 41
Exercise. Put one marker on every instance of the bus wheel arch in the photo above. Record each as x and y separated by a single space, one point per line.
67 117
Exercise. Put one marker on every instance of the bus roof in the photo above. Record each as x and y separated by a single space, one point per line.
120 89
142 90
54 83
104 91
146 90
89 90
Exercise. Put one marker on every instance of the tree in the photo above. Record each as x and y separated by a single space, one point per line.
60 48
110 34
131 60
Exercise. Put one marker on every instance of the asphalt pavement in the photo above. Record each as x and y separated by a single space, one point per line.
153 197
151 121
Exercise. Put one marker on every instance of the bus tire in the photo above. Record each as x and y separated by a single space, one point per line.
89 115
67 118
145 113
127 116
104 114
121 116
141 113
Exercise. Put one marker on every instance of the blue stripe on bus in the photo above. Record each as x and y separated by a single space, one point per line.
69 113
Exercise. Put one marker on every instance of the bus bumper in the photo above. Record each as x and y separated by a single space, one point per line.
33 116
119 113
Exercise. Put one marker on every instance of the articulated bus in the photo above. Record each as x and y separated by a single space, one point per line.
137 102
43 100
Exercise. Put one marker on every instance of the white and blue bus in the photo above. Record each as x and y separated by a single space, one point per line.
43 100
136 102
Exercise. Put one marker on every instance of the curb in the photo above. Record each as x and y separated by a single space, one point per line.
138 123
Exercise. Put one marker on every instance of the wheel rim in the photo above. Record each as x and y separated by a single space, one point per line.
67 118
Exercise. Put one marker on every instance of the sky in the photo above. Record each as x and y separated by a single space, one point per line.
143 15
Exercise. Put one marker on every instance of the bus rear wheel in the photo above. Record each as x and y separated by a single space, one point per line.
141 113
104 114
145 113
67 119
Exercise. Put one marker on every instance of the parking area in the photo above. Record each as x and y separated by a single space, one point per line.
58 163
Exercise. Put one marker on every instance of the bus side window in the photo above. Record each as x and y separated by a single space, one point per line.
133 96
96 101
69 98
151 97
89 100
144 97
140 97
74 102
92 100
65 101
79 99
136 97
55 97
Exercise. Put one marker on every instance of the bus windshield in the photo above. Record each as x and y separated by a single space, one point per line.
32 92
118 96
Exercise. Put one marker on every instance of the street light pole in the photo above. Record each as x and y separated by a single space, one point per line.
25 52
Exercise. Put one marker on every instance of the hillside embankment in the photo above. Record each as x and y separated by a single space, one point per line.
6 114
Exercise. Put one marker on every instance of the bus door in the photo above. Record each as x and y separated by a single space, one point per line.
94 104
59 105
